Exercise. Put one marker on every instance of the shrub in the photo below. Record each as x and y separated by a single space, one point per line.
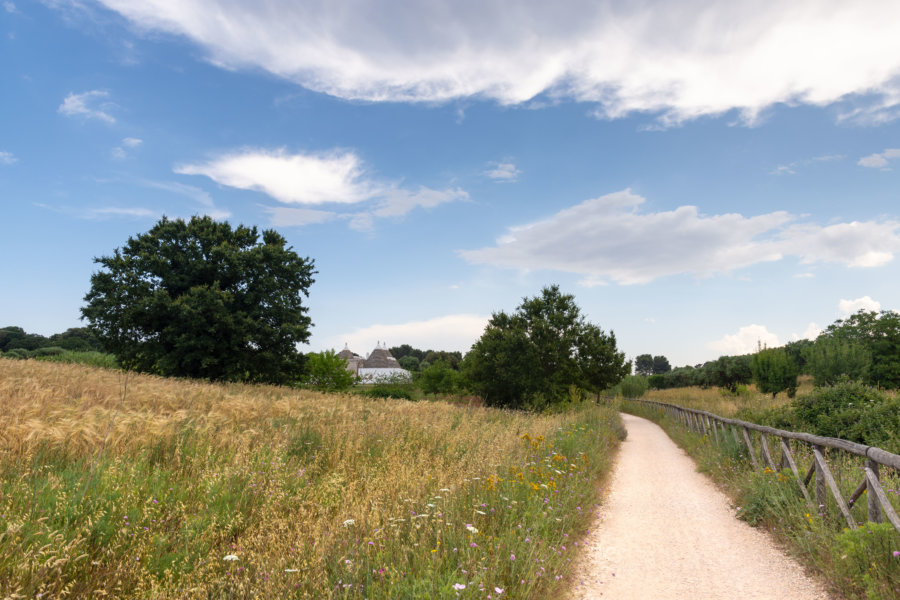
632 386
48 351
399 391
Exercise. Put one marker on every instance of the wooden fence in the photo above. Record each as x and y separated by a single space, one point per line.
743 433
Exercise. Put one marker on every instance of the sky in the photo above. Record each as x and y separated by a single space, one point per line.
701 175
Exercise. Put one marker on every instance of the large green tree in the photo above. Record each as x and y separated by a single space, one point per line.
880 334
203 299
533 357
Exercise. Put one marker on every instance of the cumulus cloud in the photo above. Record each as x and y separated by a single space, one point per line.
880 160
7 158
290 178
678 59
338 178
848 307
811 332
90 105
451 332
610 239
503 171
745 341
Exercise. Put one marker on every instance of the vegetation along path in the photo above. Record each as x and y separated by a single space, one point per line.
666 532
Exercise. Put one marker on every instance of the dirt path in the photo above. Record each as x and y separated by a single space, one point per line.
666 532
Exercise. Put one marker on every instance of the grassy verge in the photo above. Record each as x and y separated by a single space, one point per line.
155 488
862 562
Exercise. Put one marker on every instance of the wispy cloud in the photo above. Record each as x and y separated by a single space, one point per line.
880 160
120 152
791 168
675 60
7 158
90 105
746 341
102 213
196 194
503 171
9 7
848 307
610 239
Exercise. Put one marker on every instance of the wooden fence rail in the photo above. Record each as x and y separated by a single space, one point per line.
720 428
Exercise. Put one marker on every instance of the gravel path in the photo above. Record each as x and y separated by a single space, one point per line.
666 532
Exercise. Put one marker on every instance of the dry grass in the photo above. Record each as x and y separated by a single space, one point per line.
720 402
139 486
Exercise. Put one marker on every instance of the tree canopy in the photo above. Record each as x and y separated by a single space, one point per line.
203 299
533 357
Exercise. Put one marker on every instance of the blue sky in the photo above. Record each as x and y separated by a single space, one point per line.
700 175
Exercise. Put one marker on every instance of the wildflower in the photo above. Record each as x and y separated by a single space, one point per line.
230 557
498 590
512 557
459 586
470 528
349 522
480 512
896 553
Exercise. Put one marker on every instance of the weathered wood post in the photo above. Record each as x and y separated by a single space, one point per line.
874 511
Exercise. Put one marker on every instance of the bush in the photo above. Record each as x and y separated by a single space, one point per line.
848 410
90 358
17 353
48 351
400 391
632 386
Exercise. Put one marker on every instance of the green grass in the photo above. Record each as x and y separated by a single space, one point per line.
144 494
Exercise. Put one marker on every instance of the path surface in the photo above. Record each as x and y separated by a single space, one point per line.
666 532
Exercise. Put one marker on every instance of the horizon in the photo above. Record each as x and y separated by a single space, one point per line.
698 184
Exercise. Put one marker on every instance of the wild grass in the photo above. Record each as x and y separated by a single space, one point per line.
724 403
859 563
132 486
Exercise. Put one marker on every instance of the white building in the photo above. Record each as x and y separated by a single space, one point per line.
378 366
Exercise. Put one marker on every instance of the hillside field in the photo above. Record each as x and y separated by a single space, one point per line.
143 487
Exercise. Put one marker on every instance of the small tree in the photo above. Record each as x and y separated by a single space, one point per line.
643 365
661 365
439 378
327 371
831 359
774 371
533 357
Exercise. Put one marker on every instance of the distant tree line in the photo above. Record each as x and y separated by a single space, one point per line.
79 339
414 359
864 347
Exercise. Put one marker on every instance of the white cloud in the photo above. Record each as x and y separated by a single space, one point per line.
848 307
811 332
451 332
609 239
290 178
338 178
102 213
120 152
90 105
503 171
398 202
7 158
879 160
679 59
746 341
9 7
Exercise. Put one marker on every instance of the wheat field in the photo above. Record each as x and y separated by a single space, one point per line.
125 485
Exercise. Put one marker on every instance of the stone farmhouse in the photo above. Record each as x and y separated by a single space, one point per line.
378 366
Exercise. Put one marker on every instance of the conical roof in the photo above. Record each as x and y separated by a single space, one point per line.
381 359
